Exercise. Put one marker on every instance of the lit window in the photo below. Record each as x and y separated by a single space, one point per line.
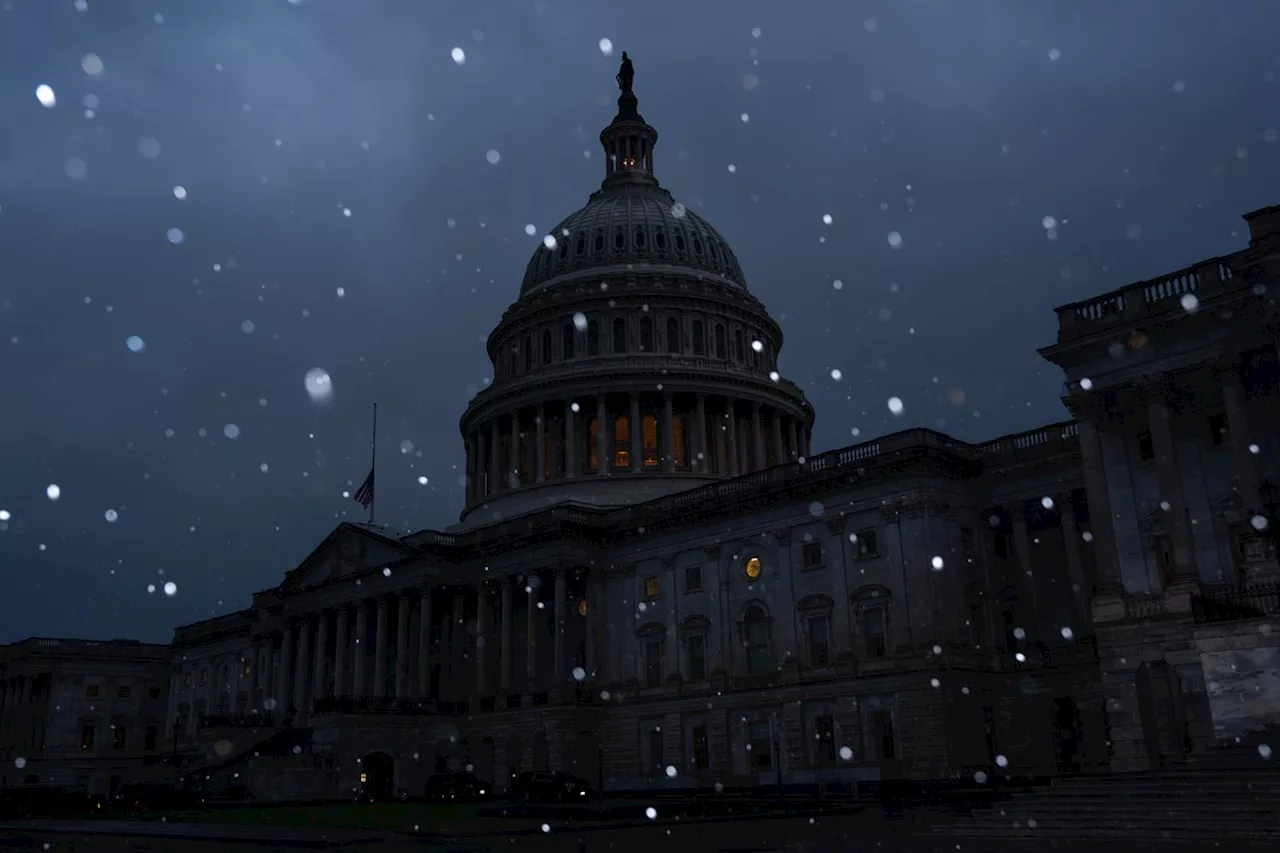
651 586
751 568
621 444
582 607
91 690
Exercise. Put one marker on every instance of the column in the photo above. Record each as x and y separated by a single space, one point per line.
320 686
1244 461
531 637
757 439
540 450
1169 482
457 643
637 446
793 447
718 429
301 690
804 442
284 675
561 592
1028 581
495 451
341 643
513 473
1101 519
380 651
700 435
360 686
1071 541
731 424
668 434
402 646
570 441
779 455
472 453
602 435
594 604
504 677
424 643
484 630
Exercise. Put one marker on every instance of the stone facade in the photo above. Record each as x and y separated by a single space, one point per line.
655 584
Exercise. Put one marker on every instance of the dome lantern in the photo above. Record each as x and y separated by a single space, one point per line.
628 140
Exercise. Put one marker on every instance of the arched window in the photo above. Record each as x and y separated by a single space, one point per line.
619 335
580 246
546 346
646 334
739 346
515 361
621 444
593 338
649 441
755 637
673 334
528 352
720 341
593 458
680 442
699 339
566 345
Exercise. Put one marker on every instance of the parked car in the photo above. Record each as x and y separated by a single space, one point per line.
457 787
551 786
151 797
26 801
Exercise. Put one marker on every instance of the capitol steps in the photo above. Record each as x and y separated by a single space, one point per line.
1194 806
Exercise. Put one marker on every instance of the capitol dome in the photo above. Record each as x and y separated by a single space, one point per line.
634 363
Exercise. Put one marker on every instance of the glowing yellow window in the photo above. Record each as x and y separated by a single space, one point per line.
651 586
582 607
751 568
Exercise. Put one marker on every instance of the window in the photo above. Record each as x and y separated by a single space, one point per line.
91 690
528 352
882 731
566 344
755 629
1146 450
657 761
546 346
649 443
123 692
975 625
699 338
593 445
646 334
1218 429
673 335
1000 546
593 338
515 361
873 631
154 692
739 346
720 341
651 587
968 543
619 335
824 740
119 738
621 443
86 736
696 651
692 578
819 637
699 755
653 663
751 568
761 745
865 545
246 667
204 676
149 738
811 555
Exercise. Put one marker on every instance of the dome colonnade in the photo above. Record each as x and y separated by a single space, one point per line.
635 363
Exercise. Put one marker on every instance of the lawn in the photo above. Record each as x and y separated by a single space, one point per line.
432 818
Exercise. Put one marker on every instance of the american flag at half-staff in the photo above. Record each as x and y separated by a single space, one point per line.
364 495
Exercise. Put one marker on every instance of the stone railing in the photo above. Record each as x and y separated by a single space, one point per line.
236 721
1145 299
1144 606
387 705
1226 604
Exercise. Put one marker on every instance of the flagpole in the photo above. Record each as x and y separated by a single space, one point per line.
373 469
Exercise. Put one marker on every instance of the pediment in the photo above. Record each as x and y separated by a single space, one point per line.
348 550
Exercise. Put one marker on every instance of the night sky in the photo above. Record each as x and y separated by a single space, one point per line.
342 212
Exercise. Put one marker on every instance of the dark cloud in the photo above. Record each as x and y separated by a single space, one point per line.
949 123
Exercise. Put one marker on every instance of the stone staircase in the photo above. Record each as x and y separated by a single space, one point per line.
1201 808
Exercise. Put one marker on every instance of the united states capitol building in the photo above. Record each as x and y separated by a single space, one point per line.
656 583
